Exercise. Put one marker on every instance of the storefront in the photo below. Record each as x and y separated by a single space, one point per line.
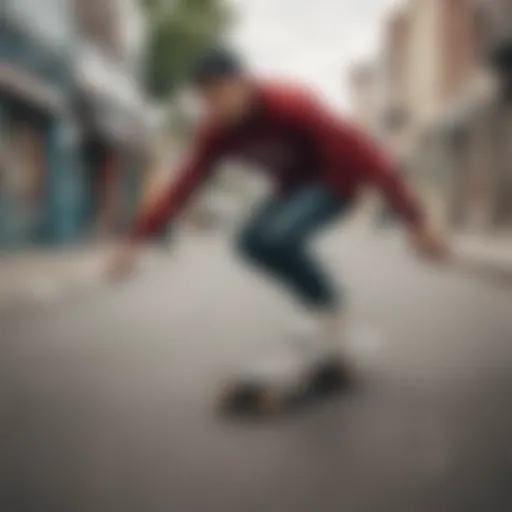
112 175
502 63
474 153
23 171
37 143
114 143
37 165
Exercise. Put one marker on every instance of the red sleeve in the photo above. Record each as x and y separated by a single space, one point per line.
192 173
343 146
388 178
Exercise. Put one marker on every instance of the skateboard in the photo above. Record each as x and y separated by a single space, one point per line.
283 381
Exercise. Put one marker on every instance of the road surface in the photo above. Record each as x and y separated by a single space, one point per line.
106 400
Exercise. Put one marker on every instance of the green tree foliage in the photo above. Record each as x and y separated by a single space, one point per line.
178 31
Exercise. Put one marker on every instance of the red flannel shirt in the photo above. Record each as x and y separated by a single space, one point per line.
292 137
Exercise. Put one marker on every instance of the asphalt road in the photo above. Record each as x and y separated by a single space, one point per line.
106 399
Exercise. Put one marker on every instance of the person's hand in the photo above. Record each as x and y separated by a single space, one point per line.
429 242
122 263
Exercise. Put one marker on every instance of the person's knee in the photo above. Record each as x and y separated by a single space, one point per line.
264 244
250 244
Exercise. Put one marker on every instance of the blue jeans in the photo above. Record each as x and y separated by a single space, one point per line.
276 239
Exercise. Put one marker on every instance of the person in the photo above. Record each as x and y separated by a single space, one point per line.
317 163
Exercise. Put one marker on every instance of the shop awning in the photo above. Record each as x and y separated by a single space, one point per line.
113 103
20 83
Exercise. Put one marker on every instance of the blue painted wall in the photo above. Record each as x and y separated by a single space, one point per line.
63 194
61 201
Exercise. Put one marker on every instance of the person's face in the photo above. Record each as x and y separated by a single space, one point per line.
227 99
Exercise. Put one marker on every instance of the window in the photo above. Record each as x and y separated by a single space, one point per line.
395 119
98 22
49 20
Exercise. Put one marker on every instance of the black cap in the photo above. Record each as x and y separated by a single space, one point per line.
215 63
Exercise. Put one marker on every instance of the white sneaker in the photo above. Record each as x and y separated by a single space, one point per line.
313 336
282 367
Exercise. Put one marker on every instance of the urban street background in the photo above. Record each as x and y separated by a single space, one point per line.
106 392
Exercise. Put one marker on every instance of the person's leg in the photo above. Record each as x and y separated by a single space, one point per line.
276 239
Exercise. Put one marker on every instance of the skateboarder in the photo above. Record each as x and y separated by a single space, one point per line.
317 163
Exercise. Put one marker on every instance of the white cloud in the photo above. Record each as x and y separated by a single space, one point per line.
313 40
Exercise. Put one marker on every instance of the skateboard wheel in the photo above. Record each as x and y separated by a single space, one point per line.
330 376
249 398
270 402
240 397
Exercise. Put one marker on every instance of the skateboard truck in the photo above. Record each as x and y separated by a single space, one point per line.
266 396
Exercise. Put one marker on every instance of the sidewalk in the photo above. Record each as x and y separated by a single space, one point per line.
487 254
46 275
40 275
491 250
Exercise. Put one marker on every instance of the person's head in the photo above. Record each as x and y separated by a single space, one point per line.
222 83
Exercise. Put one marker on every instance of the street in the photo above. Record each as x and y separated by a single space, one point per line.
107 399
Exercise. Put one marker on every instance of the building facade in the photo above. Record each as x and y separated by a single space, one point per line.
38 153
364 94
444 113
112 110
394 107
73 118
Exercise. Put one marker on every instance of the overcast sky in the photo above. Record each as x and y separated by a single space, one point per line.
313 40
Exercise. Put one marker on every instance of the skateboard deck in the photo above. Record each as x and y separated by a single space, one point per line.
280 381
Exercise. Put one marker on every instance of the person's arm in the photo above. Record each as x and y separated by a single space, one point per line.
387 176
192 173
342 145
